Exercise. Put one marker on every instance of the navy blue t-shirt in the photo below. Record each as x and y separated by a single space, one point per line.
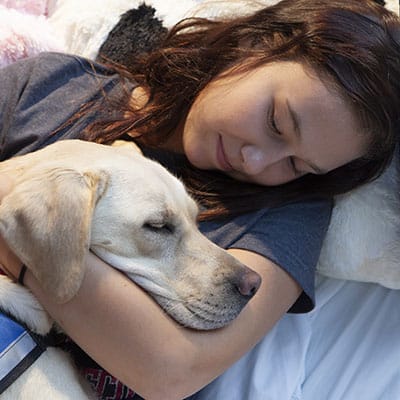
39 95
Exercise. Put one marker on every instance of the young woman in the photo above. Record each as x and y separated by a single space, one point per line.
265 118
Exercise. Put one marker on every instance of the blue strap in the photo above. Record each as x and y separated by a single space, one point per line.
18 350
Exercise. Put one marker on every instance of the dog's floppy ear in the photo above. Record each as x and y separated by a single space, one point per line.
126 146
46 222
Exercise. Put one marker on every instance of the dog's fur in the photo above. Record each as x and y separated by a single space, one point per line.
73 196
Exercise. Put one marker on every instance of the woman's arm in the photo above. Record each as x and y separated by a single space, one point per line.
127 333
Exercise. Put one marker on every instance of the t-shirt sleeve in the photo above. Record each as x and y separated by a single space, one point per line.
291 236
39 95
13 80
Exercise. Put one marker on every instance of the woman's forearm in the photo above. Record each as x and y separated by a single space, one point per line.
113 321
127 333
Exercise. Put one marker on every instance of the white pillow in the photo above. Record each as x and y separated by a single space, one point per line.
363 238
85 24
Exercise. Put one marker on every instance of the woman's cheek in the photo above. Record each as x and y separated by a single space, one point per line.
197 151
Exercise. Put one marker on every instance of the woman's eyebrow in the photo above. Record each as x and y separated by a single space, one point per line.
296 127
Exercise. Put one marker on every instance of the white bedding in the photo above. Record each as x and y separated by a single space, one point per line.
348 348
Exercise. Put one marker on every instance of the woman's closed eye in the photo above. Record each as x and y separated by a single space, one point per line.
275 129
292 166
272 122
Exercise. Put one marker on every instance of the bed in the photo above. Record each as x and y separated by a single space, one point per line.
348 347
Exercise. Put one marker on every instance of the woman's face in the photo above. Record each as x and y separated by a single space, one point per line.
271 125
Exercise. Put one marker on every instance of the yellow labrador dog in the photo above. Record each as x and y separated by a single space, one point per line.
73 196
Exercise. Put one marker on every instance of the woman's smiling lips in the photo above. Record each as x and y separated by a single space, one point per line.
221 156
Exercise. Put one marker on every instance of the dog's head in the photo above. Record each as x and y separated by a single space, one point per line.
74 196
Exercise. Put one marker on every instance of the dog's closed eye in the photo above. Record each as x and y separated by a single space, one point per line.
161 227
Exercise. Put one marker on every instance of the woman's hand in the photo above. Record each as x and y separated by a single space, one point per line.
6 185
9 263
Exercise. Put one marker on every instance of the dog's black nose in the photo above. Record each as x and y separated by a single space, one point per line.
248 283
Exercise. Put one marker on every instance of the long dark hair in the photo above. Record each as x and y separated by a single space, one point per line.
353 44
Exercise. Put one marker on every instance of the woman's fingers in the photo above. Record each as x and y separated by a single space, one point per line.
6 185
9 263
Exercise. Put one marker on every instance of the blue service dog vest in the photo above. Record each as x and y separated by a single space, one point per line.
18 350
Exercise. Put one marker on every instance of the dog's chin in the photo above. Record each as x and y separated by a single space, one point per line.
205 314
199 317
186 317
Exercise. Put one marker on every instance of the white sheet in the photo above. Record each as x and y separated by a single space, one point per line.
348 348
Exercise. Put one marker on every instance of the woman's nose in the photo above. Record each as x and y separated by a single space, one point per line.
254 159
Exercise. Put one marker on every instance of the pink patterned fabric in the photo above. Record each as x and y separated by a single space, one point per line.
34 7
106 386
25 30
